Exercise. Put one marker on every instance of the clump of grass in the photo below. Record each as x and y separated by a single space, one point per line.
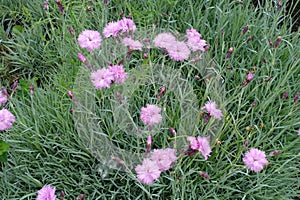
45 148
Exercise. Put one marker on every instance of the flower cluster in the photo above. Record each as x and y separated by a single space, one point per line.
180 50
124 26
103 78
151 168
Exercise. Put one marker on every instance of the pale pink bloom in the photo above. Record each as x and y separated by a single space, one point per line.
200 144
119 73
178 51
148 171
46 193
255 159
6 119
196 45
211 108
164 158
299 131
111 29
3 98
250 76
151 114
89 39
193 142
132 44
194 41
127 25
102 78
163 40
193 34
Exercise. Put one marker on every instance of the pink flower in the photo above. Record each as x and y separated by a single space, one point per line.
194 40
6 119
178 51
163 40
255 159
89 39
148 171
211 108
127 25
119 73
196 45
102 78
164 158
3 98
132 44
200 144
46 193
151 114
299 131
111 29
192 34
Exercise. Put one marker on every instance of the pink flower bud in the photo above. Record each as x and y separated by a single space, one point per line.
148 145
81 197
71 30
278 40
250 76
204 175
81 57
60 6
285 95
46 6
31 88
250 38
172 131
229 52
274 153
70 94
296 98
245 29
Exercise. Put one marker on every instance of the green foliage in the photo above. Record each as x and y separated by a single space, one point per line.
45 147
3 151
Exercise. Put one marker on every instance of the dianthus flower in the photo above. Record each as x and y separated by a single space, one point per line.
196 45
151 114
194 41
89 39
193 34
132 44
102 78
148 171
200 144
211 108
111 29
46 193
178 51
299 131
127 25
255 159
119 73
3 98
6 119
164 158
163 40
